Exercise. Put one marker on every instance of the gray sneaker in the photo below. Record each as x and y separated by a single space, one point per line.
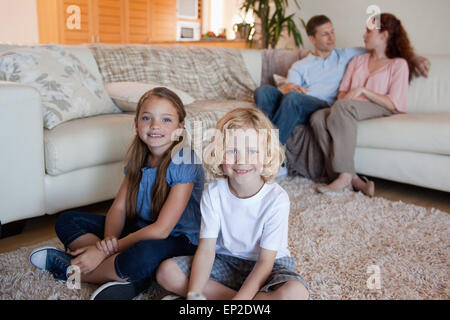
51 259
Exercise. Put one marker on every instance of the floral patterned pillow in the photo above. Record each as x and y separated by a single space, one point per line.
68 90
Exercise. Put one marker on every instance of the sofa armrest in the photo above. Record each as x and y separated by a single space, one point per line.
22 167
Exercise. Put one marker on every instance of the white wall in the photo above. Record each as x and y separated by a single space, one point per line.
18 22
426 21
218 15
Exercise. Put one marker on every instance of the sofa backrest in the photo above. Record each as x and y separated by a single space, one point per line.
205 73
426 95
432 94
252 60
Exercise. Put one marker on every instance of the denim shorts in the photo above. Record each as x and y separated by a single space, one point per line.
232 271
137 262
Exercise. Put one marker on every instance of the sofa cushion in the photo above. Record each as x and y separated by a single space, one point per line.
428 133
68 89
88 142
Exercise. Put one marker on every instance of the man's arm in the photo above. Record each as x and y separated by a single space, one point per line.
294 80
421 66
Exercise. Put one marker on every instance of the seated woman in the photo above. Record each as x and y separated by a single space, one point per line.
375 85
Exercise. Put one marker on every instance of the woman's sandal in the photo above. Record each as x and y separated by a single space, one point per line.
369 190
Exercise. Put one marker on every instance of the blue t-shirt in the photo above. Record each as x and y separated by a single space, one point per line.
184 171
322 77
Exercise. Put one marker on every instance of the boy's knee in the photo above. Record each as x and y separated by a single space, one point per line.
294 290
167 274
163 272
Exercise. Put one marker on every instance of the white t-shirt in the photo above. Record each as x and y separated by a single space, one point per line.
242 226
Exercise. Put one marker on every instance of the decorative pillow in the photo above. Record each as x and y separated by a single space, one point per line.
127 94
279 80
68 90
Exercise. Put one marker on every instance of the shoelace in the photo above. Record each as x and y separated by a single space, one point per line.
59 264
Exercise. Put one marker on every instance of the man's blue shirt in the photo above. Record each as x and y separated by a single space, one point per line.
322 77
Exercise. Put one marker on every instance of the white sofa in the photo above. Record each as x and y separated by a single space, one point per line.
412 148
77 163
80 162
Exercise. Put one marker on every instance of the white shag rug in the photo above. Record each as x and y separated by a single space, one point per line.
346 246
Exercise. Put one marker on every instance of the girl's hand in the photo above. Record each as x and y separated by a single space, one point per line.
354 93
109 245
88 258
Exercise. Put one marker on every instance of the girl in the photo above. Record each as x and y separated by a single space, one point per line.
374 85
243 251
155 216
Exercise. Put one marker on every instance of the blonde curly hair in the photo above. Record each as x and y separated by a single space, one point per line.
245 118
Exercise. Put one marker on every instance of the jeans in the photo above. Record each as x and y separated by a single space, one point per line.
136 263
286 110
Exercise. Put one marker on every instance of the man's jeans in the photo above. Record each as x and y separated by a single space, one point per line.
286 111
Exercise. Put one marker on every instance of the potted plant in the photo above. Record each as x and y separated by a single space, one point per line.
243 30
273 21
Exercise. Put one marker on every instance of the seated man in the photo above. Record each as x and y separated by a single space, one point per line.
312 82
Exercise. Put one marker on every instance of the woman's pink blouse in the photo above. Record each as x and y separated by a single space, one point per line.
390 80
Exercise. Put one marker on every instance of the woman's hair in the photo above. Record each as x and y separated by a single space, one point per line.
245 118
398 44
138 154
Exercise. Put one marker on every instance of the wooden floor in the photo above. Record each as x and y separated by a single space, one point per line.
42 228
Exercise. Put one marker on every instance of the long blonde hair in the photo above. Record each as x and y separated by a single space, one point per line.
244 118
138 154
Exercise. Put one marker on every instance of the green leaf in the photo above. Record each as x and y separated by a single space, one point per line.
273 23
